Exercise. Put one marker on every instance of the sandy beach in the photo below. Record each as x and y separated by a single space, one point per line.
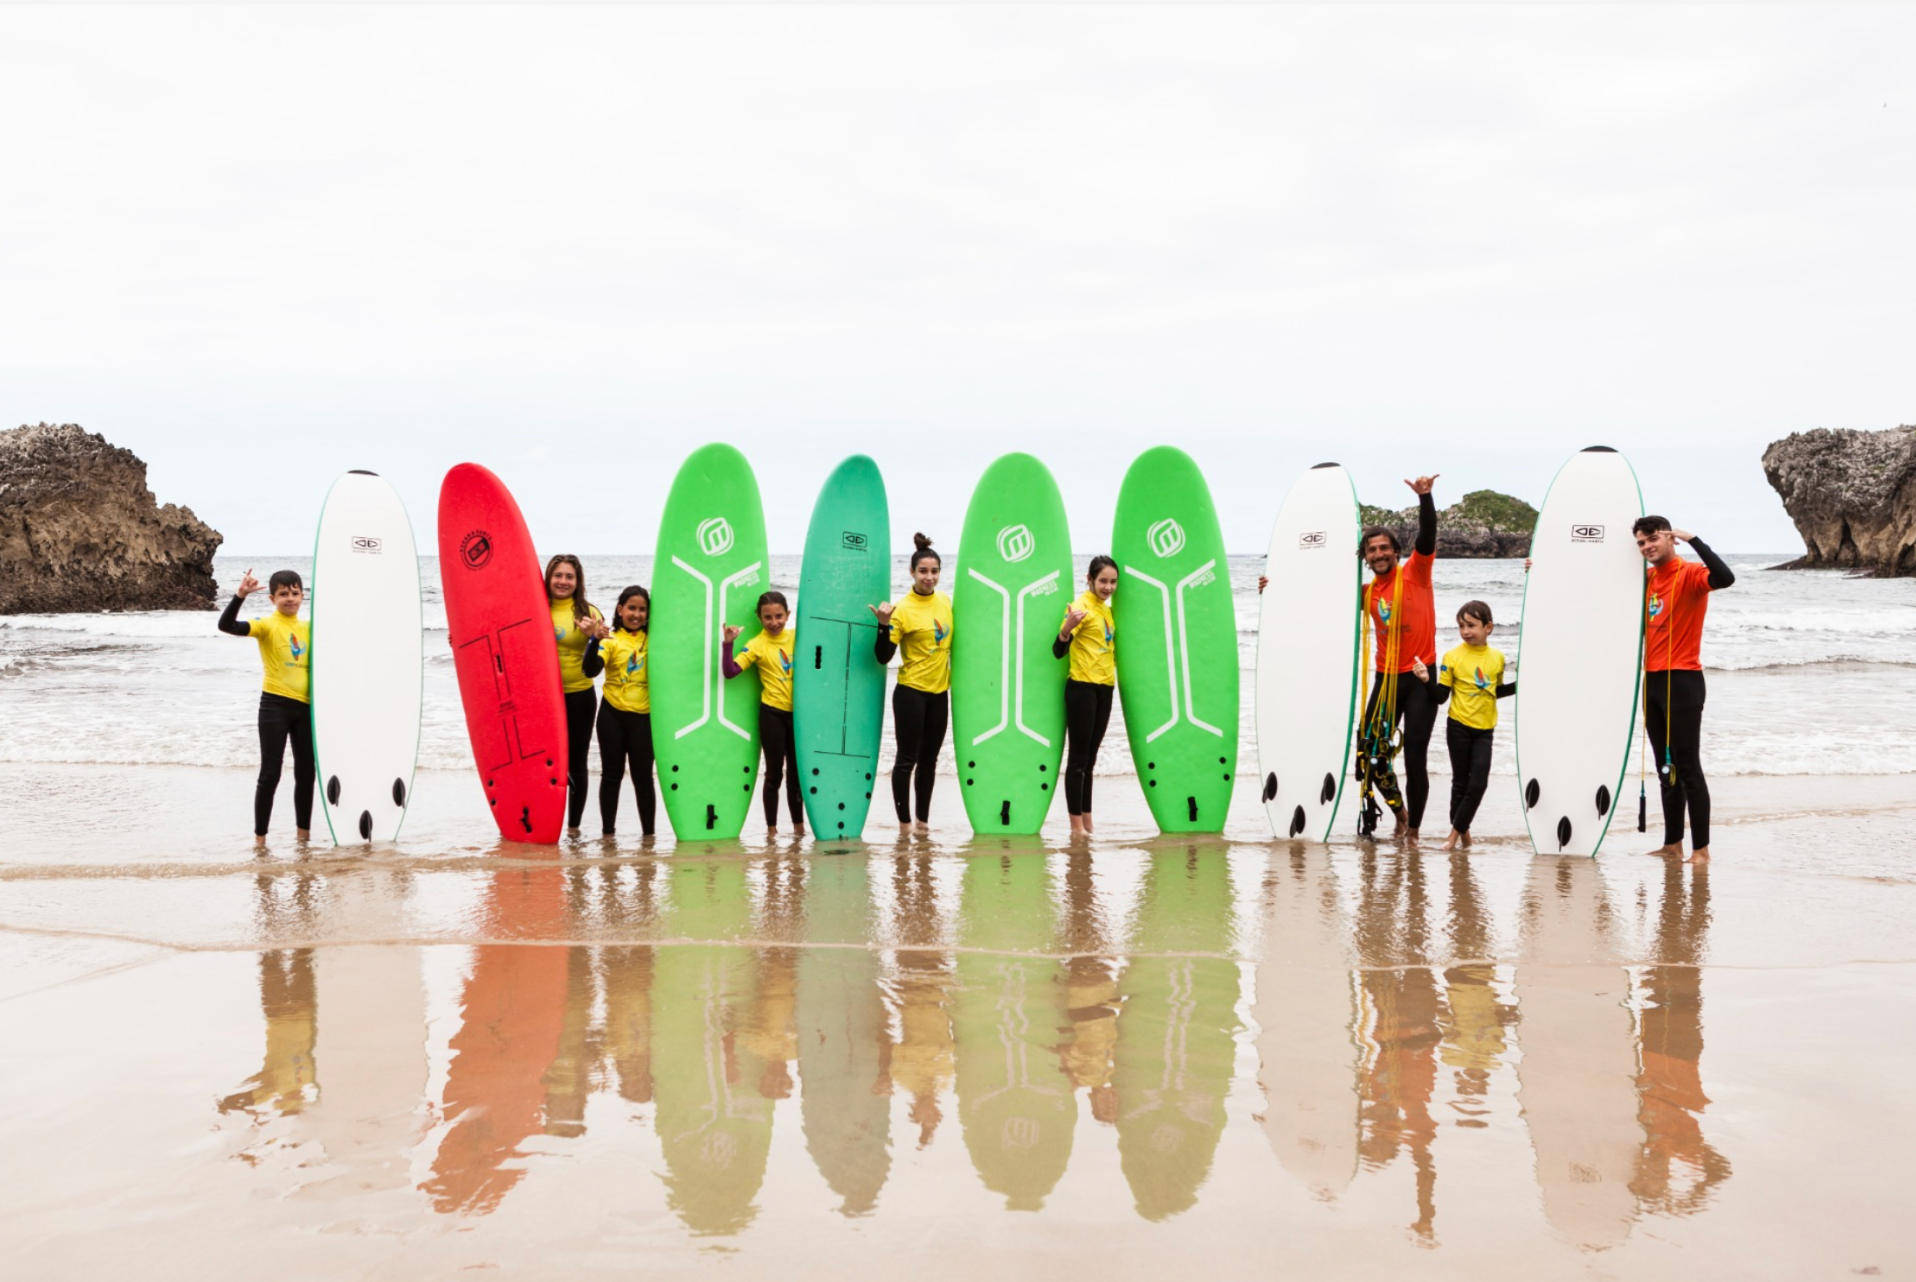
1133 1056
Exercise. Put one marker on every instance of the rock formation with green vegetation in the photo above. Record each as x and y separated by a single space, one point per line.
1483 524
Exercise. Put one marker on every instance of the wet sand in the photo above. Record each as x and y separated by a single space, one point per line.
960 1058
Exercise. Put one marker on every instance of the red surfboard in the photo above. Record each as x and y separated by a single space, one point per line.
507 659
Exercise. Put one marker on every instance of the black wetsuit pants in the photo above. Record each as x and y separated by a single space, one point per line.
1674 700
625 742
1087 714
919 720
1469 769
579 707
780 742
1417 708
282 721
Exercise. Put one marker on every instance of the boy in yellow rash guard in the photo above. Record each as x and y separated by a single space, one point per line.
1471 677
575 623
771 653
285 711
919 623
1090 636
625 718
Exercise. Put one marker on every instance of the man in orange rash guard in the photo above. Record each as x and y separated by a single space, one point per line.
1416 630
1676 596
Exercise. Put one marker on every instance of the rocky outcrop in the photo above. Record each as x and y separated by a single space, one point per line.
1482 524
1852 495
79 530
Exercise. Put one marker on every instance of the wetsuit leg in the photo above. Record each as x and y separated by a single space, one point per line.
612 754
1675 700
579 707
775 737
638 746
1099 725
273 729
908 724
1470 771
937 717
1419 711
794 799
1080 723
300 736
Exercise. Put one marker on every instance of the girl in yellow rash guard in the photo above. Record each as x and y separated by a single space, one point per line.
575 622
771 653
919 623
625 718
1090 637
285 711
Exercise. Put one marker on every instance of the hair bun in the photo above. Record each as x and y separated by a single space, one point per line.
922 541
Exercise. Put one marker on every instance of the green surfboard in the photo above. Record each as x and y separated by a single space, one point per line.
1013 583
1177 648
710 568
838 684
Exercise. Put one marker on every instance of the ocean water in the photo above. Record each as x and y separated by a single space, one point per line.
1810 673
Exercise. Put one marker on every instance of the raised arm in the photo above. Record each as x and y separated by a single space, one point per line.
1721 575
229 617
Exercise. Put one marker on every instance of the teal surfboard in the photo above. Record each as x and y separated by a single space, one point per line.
710 568
838 684
1008 599
1177 648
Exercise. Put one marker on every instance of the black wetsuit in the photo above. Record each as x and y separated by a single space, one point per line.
625 742
919 719
1674 698
1416 706
1469 759
282 721
1087 715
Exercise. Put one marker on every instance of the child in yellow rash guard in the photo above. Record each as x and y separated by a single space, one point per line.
1471 677
625 718
919 624
285 714
576 622
1090 636
771 653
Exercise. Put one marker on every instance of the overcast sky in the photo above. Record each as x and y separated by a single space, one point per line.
262 246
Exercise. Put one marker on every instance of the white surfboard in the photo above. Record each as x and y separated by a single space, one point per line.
1579 651
1307 672
366 659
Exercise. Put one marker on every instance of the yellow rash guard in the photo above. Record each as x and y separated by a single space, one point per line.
285 652
773 655
1094 653
921 629
572 640
627 685
1473 673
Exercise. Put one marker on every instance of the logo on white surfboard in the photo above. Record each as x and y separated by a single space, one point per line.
715 536
1586 534
368 544
1015 543
1313 539
1166 537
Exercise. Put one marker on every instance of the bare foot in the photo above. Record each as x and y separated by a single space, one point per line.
572 833
306 834
1701 855
1466 837
259 841
1077 825
921 829
1450 842
1410 836
1088 829
1666 852
771 832
798 830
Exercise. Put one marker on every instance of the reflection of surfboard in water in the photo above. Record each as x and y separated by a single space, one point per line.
509 1023
709 571
1177 657
1306 1013
1016 1108
366 674
1307 698
1177 1030
1579 654
506 656
1008 600
843 1039
838 687
1576 1077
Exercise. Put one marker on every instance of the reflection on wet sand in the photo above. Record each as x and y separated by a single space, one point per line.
871 988
1176 1040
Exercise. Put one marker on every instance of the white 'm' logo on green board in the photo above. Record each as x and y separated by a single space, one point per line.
1015 543
1166 537
715 536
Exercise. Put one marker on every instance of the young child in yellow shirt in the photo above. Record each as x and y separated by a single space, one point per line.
771 653
1471 677
285 701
